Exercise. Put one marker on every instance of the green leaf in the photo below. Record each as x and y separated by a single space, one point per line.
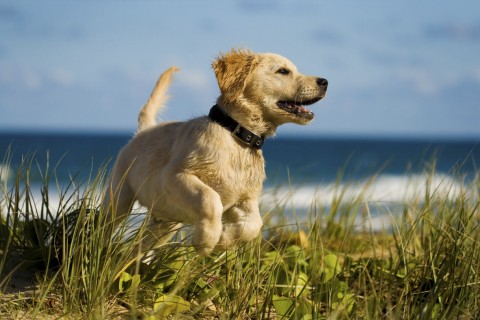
303 308
282 305
301 283
127 282
271 257
294 309
345 303
331 261
204 290
171 304
331 267
159 287
295 256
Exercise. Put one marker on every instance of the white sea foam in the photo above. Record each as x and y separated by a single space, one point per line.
5 173
390 192
395 189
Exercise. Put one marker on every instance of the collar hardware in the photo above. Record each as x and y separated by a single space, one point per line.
239 132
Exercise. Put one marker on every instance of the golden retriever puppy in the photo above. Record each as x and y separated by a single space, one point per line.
209 171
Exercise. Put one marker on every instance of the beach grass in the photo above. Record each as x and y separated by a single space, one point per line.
58 260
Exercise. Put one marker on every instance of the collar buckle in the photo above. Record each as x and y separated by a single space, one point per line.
247 137
242 134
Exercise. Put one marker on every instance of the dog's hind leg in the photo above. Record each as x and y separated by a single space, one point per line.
242 224
117 203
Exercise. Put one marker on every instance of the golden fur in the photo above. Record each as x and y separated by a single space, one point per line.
195 171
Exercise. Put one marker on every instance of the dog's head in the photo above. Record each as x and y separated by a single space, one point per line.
267 87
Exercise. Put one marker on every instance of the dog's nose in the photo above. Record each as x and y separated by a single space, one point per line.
322 82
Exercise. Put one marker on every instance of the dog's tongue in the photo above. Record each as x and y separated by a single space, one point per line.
302 109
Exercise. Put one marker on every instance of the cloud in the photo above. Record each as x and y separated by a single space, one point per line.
419 80
31 79
57 99
26 79
62 77
454 31
195 80
429 87
408 102
464 91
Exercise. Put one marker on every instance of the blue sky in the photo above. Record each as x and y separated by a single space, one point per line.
403 68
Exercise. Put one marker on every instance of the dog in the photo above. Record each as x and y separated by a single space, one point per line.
209 171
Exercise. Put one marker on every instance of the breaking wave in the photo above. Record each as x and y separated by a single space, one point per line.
395 189
385 191
384 196
5 173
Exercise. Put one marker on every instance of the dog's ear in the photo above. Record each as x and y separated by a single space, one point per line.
232 70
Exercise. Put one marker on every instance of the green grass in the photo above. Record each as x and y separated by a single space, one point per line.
60 263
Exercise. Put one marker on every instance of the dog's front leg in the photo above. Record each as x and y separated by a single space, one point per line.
242 224
203 205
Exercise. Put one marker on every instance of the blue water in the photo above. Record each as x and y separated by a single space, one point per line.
289 160
302 173
326 159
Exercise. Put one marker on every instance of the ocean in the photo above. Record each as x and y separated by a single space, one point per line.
300 171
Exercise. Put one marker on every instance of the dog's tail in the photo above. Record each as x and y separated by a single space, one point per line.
156 102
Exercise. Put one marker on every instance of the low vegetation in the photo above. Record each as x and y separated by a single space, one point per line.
56 260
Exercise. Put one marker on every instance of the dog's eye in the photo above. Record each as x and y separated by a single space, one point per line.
283 71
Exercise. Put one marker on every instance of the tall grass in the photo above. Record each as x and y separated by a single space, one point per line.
318 266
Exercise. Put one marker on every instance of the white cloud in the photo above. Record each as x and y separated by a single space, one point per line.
194 79
19 76
31 79
62 77
476 74
380 82
420 79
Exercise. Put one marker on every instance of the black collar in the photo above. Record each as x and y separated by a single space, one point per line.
242 134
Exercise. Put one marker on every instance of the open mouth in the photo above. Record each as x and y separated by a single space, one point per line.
298 108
